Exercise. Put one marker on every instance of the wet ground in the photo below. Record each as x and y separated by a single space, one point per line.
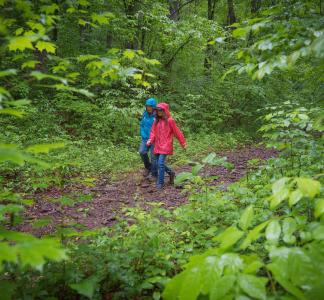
109 198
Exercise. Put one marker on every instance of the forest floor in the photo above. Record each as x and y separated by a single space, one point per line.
109 198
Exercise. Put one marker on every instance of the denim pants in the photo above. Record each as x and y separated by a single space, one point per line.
162 168
148 164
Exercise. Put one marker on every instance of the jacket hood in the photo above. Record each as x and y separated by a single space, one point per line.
151 102
165 107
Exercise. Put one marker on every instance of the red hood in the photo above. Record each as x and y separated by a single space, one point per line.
165 107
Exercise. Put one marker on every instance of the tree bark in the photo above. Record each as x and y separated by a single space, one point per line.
231 18
209 48
174 9
255 6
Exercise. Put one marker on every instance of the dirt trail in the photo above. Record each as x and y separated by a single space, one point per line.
129 191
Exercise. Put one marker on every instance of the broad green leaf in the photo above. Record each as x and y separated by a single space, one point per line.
12 112
228 237
40 76
253 286
295 197
49 9
196 169
222 287
182 177
279 185
20 43
30 64
319 208
318 233
86 287
209 158
130 54
7 254
8 72
273 232
151 61
253 235
47 46
278 197
18 103
289 226
308 187
246 218
278 271
44 148
11 153
101 18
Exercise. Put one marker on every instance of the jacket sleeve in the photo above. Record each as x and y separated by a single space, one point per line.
151 140
177 132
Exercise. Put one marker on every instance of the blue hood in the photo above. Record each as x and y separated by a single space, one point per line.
151 102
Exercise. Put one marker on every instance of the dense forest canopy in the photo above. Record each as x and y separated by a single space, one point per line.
74 76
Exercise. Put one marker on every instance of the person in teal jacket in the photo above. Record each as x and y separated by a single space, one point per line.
147 121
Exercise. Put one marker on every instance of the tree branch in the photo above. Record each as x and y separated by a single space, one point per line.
180 7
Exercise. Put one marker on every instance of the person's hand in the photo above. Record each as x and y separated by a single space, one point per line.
148 143
185 147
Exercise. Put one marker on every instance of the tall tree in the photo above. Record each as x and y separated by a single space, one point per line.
255 6
209 48
231 18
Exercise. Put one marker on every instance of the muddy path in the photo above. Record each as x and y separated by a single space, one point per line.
109 199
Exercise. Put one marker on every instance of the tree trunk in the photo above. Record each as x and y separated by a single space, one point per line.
255 6
174 9
209 48
231 18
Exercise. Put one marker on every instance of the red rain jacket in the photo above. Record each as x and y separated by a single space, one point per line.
162 133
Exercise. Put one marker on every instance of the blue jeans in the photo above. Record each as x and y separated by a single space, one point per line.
162 168
149 165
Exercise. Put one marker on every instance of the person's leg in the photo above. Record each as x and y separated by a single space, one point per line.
143 153
154 170
161 168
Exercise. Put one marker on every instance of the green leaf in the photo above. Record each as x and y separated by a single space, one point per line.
319 208
130 54
209 158
182 177
289 226
222 287
20 43
47 46
279 272
30 64
246 218
44 148
86 287
40 76
8 72
273 232
295 197
228 237
12 112
253 235
10 153
195 170
309 187
253 286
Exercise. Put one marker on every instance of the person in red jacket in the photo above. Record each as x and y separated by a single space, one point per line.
163 130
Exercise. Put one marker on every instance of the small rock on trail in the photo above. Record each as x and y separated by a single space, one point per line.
129 191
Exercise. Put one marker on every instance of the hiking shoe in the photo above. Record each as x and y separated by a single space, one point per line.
159 186
152 178
146 173
172 176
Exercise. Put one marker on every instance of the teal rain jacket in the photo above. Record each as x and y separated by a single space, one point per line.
147 120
